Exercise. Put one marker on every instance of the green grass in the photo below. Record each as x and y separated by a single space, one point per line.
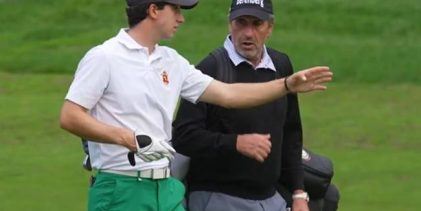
349 117
372 134
40 169
362 40
381 178
368 121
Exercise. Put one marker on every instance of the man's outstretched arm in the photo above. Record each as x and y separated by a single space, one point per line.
243 95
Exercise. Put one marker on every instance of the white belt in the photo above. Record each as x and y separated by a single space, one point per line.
160 173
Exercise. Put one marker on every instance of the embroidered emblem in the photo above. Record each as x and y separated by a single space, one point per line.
165 78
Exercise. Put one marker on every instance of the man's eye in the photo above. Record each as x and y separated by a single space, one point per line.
241 22
176 8
257 23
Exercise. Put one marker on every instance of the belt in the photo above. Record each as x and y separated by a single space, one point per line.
160 173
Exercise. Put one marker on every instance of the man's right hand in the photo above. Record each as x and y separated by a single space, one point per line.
256 146
150 150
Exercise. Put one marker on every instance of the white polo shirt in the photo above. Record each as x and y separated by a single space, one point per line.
122 85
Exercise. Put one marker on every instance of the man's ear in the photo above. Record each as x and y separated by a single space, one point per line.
270 33
152 11
270 29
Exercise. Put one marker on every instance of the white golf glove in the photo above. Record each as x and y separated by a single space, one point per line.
150 150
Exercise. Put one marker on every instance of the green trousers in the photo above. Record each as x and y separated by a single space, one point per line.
112 192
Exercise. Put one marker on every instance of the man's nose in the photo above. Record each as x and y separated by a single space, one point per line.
248 30
180 18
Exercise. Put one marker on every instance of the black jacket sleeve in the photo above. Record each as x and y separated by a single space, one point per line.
292 168
191 135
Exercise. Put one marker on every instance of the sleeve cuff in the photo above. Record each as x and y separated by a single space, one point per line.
229 142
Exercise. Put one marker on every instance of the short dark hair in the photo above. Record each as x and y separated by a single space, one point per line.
136 14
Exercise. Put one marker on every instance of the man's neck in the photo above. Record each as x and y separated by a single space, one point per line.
255 62
145 35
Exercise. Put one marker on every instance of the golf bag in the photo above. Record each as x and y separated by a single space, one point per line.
318 173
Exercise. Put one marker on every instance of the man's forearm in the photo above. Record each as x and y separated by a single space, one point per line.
243 95
76 120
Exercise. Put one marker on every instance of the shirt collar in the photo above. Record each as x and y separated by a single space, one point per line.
237 59
126 40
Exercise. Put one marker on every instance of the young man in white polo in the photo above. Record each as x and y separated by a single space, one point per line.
123 98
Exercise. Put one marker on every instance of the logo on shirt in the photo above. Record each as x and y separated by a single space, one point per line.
165 78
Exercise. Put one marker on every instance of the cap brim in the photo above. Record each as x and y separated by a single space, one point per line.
184 4
258 13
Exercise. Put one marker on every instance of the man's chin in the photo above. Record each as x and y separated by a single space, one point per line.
247 53
168 36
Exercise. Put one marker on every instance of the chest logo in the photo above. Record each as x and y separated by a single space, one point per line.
165 78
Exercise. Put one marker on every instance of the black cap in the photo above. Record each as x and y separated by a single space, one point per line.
261 9
184 4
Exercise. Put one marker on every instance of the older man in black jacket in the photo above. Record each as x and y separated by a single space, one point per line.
239 157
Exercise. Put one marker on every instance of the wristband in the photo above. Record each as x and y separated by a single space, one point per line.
302 195
286 84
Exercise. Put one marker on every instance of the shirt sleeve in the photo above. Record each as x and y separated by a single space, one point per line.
90 80
194 83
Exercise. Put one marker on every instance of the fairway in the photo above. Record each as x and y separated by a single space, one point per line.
368 121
